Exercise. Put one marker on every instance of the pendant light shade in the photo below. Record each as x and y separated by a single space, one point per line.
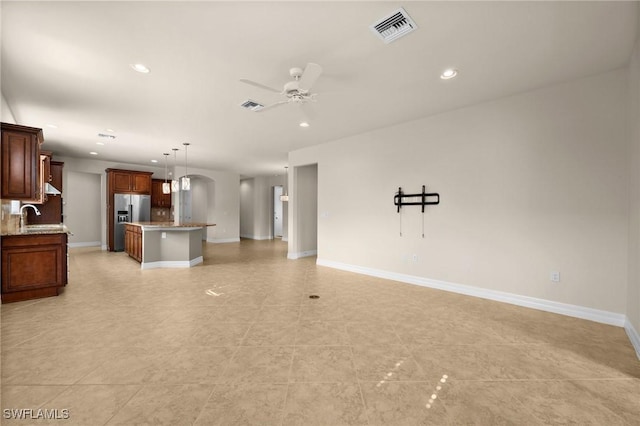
186 182
175 184
285 196
166 186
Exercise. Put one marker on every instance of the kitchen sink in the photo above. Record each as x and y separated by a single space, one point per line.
44 228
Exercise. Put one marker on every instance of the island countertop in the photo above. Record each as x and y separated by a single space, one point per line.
154 225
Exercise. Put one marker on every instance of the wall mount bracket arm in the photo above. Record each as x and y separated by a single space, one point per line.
423 199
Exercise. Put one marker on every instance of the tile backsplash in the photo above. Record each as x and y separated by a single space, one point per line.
10 222
161 214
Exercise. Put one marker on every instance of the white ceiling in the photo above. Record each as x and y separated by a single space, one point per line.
67 64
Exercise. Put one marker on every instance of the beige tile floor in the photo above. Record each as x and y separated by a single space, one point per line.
123 346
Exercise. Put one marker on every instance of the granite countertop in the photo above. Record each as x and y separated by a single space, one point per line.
39 230
170 224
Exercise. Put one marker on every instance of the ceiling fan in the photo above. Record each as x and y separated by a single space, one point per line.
298 90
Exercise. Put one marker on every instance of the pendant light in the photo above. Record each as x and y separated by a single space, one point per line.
285 196
175 184
186 182
166 186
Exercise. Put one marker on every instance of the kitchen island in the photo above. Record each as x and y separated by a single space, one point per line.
164 244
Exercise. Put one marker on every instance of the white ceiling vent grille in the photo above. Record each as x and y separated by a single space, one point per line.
394 26
252 105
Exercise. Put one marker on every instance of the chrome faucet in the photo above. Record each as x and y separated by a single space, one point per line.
22 213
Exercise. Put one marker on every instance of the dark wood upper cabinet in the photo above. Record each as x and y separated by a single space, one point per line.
21 163
141 183
129 182
121 181
158 199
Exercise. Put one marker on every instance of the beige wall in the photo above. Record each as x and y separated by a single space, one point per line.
303 206
223 203
529 184
247 222
633 291
81 196
6 116
256 207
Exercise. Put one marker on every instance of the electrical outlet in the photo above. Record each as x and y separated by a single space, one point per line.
555 277
163 235
415 257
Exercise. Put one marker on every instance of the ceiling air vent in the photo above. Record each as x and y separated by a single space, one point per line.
252 105
394 26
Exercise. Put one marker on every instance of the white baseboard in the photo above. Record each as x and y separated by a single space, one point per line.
172 263
285 239
104 247
302 254
86 244
576 311
634 336
222 240
256 237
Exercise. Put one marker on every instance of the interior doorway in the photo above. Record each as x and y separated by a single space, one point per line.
277 212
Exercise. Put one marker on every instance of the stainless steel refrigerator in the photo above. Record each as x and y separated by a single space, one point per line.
128 208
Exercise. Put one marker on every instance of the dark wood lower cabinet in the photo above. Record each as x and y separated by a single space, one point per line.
33 266
133 241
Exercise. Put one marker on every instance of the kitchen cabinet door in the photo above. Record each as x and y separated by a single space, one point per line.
141 183
156 193
121 182
21 163
33 266
158 199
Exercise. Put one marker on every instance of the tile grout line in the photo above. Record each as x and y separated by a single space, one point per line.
364 404
141 386
289 382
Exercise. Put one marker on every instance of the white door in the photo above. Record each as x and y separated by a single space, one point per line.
277 212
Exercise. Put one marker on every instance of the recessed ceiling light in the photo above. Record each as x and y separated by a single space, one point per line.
93 153
304 124
449 73
140 68
99 143
53 126
154 161
110 130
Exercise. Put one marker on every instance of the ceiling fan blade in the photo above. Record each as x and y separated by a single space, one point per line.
262 86
268 107
310 75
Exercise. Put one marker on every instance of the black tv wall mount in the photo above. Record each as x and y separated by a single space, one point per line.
423 199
